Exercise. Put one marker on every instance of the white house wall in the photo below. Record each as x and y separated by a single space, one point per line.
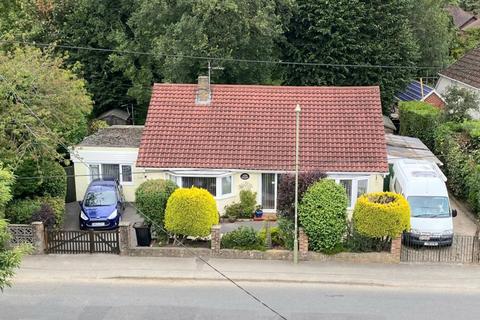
444 83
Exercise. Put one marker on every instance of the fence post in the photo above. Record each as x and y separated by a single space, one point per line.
302 244
124 237
91 236
215 239
396 248
38 237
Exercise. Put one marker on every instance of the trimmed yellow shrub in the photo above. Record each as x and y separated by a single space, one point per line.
381 214
191 212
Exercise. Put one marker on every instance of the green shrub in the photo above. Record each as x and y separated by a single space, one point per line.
381 215
22 210
286 228
56 184
248 202
191 212
457 145
243 209
46 215
53 181
323 213
244 238
275 236
419 119
286 190
151 200
357 242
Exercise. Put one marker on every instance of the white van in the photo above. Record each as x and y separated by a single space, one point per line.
422 183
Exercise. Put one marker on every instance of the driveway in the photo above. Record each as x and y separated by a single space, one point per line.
464 223
72 211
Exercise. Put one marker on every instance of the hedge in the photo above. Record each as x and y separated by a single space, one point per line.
151 200
191 212
323 215
419 119
22 210
457 145
381 215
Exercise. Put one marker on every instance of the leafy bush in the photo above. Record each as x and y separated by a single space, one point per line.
244 238
459 102
381 215
96 125
22 210
286 229
356 242
457 145
419 119
151 200
53 182
45 214
286 190
275 236
323 213
243 209
191 212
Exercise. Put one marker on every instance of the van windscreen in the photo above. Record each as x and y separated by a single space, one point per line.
429 207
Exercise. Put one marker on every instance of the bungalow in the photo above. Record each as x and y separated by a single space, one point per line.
465 73
226 138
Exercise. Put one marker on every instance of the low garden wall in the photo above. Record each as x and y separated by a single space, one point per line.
216 252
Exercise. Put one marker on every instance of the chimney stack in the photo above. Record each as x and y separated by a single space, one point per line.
204 95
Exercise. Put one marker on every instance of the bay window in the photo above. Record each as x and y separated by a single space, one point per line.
218 186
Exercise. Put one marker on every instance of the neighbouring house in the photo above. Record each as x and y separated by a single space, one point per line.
464 73
226 138
418 91
462 19
115 117
111 152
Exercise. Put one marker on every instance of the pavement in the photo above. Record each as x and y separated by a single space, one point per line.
107 287
109 267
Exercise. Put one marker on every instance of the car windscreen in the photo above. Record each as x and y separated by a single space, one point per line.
100 198
429 207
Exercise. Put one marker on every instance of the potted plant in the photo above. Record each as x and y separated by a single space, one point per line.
258 212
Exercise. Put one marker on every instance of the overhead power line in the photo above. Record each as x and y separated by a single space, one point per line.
225 59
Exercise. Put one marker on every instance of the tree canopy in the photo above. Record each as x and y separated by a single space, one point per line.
42 106
352 32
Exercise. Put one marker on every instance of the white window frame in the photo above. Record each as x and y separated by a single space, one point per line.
178 179
99 164
353 196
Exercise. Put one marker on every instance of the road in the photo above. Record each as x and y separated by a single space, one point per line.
167 299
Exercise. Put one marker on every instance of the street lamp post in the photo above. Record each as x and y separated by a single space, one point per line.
297 148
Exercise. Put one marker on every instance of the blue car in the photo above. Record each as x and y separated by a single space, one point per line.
102 206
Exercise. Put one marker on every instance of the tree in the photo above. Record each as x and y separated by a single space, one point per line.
434 32
42 106
6 183
352 32
9 258
464 42
459 103
177 30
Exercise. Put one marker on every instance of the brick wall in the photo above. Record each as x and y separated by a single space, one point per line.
302 244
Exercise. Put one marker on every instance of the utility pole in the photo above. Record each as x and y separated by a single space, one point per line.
297 149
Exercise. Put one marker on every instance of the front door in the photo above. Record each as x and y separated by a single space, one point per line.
269 191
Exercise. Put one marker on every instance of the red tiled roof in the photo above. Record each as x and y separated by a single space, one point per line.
253 127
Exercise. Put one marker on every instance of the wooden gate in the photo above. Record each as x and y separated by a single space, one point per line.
72 241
